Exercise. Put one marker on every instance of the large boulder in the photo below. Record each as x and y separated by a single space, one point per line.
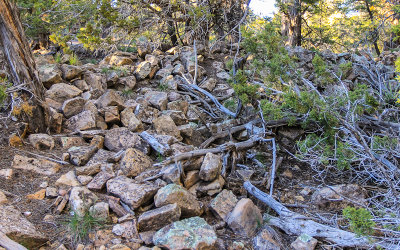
82 121
110 98
73 106
223 204
41 141
193 233
40 166
129 120
164 125
157 99
70 72
143 70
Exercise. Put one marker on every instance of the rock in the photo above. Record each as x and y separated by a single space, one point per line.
171 82
304 242
157 99
61 92
129 120
211 188
6 173
70 72
15 141
84 179
68 179
223 204
193 233
82 121
211 167
81 199
265 240
95 81
173 193
171 174
143 70
178 117
164 72
51 192
134 162
223 76
166 126
110 98
73 106
102 156
147 114
100 180
3 198
209 84
39 195
245 218
68 142
100 210
126 230
147 237
129 82
89 169
179 105
159 217
191 178
41 141
49 74
97 141
133 194
81 84
40 166
119 58
121 138
79 156
14 225
333 197
111 114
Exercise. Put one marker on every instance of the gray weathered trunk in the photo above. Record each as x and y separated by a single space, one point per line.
21 64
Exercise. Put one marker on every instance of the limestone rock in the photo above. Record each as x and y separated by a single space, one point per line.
157 99
100 180
143 70
193 233
70 72
79 156
126 230
49 74
100 210
166 126
223 204
332 197
245 218
304 242
68 179
133 194
41 141
121 138
73 106
179 105
178 117
89 169
67 142
3 198
129 82
110 98
211 188
14 225
191 178
265 240
61 92
82 121
129 120
40 166
174 193
209 84
111 114
159 217
211 167
134 162
81 199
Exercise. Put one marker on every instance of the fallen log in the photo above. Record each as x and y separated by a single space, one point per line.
223 148
296 224
164 150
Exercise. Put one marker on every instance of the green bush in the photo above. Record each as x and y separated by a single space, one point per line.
74 60
360 220
247 92
321 70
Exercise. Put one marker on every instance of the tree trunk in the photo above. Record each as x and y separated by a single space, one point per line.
375 32
291 22
22 66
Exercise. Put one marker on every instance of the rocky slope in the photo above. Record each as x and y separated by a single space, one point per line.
116 128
